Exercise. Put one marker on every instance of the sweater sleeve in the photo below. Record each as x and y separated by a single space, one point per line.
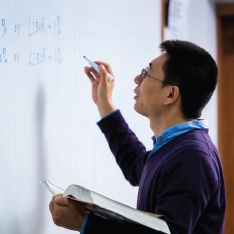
129 152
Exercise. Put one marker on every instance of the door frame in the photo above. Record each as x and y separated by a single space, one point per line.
224 10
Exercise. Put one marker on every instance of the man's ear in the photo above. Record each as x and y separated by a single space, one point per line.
173 93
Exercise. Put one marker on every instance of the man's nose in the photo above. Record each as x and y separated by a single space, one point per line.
137 79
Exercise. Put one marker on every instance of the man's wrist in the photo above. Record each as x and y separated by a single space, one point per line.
106 109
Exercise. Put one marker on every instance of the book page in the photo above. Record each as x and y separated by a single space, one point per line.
88 196
54 190
138 216
84 195
79 192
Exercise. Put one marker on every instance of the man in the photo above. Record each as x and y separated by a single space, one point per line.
181 177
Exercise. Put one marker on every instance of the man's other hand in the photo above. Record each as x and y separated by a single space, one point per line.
67 213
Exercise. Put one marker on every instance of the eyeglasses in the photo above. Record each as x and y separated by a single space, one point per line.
144 73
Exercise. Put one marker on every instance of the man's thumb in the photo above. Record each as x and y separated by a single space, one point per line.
61 200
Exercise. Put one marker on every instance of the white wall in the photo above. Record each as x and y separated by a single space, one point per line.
202 31
199 26
47 118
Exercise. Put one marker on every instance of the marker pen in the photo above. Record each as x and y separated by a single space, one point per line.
96 67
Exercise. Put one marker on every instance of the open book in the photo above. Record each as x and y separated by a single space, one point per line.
109 208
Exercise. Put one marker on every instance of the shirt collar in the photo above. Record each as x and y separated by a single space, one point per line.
176 130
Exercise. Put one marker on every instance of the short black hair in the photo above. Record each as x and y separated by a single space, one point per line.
194 71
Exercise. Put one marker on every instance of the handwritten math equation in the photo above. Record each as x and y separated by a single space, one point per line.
42 26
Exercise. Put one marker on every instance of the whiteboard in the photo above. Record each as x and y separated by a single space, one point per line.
47 117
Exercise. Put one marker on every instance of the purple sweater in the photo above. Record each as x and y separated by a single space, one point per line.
183 180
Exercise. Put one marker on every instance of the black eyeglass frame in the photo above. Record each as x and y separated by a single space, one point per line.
144 74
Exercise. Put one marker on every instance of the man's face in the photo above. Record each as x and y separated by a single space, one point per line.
150 92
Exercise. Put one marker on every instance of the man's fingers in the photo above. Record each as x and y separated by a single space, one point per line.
97 74
92 70
103 73
60 200
107 66
51 206
88 73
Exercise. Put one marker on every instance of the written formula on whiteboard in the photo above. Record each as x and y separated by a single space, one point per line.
36 58
4 28
3 58
34 26
37 26
48 28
